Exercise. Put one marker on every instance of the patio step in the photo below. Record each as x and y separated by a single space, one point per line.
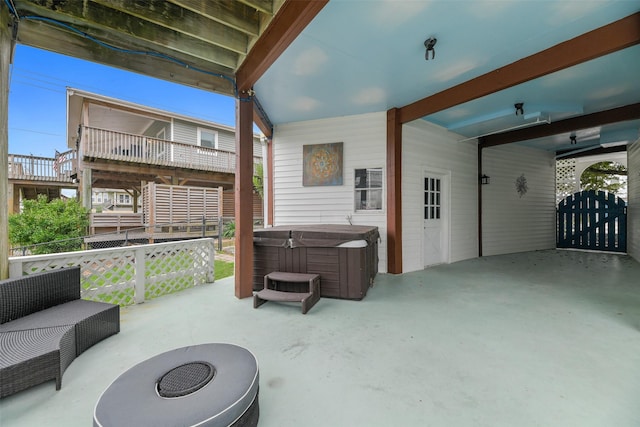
308 282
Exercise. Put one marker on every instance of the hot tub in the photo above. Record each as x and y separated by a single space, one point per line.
345 256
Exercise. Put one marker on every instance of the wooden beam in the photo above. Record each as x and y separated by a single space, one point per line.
265 6
394 192
594 44
130 32
593 152
615 115
244 200
261 118
192 24
291 19
5 61
56 40
231 13
286 25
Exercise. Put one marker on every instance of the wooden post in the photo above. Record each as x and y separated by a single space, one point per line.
5 62
151 221
244 199
12 206
394 192
85 188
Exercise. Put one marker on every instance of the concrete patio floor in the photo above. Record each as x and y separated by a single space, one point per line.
548 338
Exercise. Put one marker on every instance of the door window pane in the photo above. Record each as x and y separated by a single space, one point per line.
432 198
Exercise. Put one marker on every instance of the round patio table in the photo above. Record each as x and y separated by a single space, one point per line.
205 385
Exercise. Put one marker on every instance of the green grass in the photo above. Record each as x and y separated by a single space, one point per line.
223 269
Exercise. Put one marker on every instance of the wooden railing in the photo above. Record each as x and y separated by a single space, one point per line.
33 168
115 221
111 145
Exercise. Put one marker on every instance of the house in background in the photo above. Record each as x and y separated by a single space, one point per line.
30 176
128 149
118 150
110 199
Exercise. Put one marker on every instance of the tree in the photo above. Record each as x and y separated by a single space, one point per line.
258 180
604 176
41 221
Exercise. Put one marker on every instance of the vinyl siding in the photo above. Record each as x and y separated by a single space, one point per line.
424 147
227 141
364 138
187 133
514 223
633 209
184 132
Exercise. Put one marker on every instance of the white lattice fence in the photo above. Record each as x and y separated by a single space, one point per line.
131 274
566 180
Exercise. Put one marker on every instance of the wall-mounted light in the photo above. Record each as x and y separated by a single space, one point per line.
572 139
519 108
484 179
430 44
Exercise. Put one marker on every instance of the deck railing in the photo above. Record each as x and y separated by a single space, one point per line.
111 145
132 274
34 168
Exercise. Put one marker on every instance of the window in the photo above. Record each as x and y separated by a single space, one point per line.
207 138
432 202
368 189
123 199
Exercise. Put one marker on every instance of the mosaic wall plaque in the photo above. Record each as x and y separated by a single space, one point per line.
322 164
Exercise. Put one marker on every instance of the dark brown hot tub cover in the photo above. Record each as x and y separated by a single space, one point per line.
317 235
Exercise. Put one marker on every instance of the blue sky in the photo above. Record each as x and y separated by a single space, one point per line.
37 97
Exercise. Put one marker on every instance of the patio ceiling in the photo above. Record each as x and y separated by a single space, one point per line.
359 57
353 59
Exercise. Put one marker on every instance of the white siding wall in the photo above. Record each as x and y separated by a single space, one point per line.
187 133
425 146
633 210
364 138
512 223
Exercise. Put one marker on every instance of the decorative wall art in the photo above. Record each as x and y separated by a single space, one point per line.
322 164
521 185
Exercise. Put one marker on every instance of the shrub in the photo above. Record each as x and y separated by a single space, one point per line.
229 231
58 221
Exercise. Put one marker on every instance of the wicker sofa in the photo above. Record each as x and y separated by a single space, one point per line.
44 325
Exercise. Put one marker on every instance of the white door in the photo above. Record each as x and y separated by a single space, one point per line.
435 243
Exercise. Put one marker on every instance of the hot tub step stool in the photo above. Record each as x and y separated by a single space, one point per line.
271 290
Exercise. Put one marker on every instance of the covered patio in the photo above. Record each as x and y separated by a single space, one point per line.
543 338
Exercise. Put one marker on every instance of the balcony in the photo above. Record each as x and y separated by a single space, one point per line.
118 146
514 340
43 169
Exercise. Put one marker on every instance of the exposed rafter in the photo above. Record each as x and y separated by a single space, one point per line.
594 44
233 14
615 115
180 21
191 42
